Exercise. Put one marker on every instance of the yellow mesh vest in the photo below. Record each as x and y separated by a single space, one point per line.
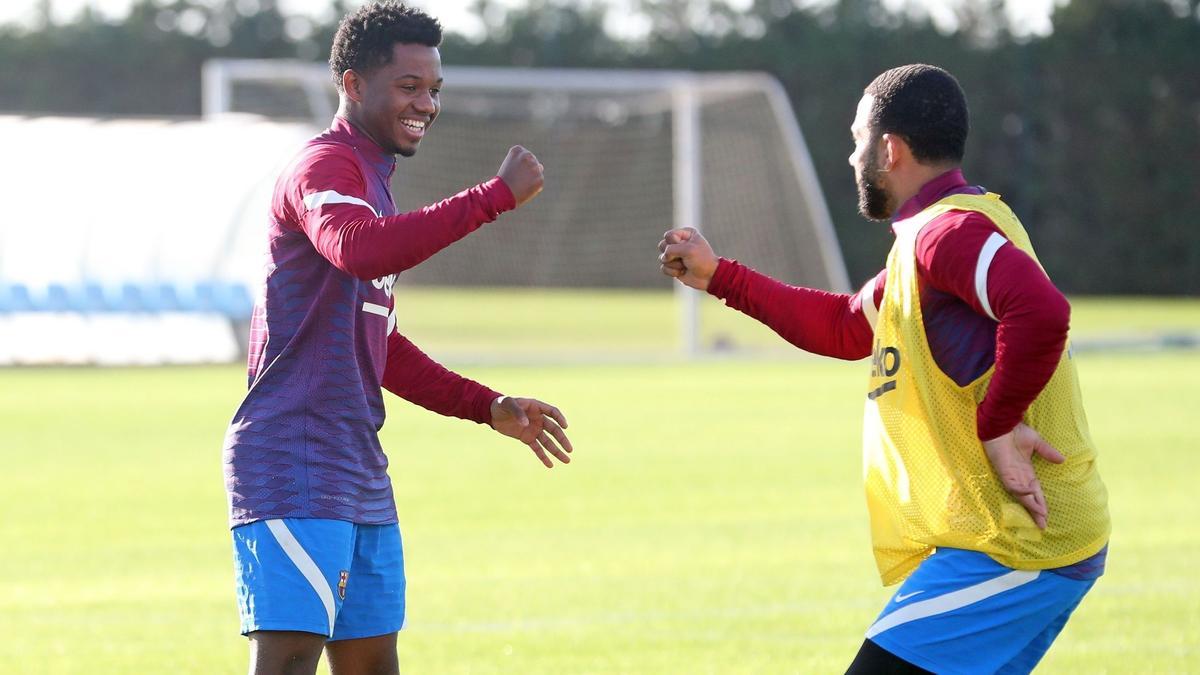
928 482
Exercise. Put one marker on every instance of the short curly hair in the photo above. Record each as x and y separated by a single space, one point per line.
926 106
365 37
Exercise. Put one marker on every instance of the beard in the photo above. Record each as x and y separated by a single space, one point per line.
872 198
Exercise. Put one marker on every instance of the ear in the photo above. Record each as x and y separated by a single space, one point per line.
895 151
353 84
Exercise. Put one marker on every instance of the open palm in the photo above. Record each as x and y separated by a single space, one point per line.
1011 456
536 424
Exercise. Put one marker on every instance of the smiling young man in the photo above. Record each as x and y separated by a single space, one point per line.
317 550
980 474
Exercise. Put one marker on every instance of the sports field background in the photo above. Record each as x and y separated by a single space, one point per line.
712 522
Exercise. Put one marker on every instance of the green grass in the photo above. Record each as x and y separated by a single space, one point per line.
507 324
713 522
1093 316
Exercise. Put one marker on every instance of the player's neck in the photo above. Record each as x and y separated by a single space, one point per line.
906 184
348 113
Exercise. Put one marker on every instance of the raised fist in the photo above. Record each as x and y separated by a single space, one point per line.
522 173
687 256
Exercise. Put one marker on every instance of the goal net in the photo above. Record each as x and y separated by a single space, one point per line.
628 154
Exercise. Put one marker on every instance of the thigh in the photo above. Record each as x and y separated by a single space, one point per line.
1028 658
364 656
373 588
287 571
875 660
962 612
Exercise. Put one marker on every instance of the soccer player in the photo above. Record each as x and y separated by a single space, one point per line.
979 470
317 550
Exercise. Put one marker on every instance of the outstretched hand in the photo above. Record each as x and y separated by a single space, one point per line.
687 256
1011 456
522 173
536 424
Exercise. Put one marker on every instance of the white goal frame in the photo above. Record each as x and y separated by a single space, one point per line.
685 88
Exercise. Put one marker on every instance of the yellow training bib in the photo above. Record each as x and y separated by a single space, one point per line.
928 482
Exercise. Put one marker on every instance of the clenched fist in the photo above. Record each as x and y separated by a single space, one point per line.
688 257
522 173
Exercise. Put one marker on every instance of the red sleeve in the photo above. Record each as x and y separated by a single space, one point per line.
335 214
1032 315
830 324
414 377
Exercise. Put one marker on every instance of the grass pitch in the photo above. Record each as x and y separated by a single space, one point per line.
712 522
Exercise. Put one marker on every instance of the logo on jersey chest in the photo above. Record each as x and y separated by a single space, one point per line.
885 362
384 284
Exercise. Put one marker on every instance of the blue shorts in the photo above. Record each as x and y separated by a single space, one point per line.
962 612
329 577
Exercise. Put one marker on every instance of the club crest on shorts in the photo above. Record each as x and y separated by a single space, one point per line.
342 577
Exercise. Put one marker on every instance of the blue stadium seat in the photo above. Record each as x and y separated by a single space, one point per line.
186 298
15 297
158 297
130 298
233 300
56 299
225 297
113 297
205 293
167 296
240 301
94 298
79 301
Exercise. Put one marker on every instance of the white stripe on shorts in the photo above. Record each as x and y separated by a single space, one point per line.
952 601
305 564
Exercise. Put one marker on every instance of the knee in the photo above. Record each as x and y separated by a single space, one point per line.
280 653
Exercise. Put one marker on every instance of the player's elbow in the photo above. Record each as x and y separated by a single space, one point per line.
352 257
364 270
347 261
1055 314
851 352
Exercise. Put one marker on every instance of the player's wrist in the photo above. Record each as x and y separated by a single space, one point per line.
500 194
487 406
720 276
989 431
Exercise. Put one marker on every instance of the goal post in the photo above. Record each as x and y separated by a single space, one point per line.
628 154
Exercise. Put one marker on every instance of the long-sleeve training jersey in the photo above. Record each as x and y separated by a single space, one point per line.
983 301
304 442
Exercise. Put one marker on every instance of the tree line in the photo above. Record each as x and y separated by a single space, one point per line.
1091 133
